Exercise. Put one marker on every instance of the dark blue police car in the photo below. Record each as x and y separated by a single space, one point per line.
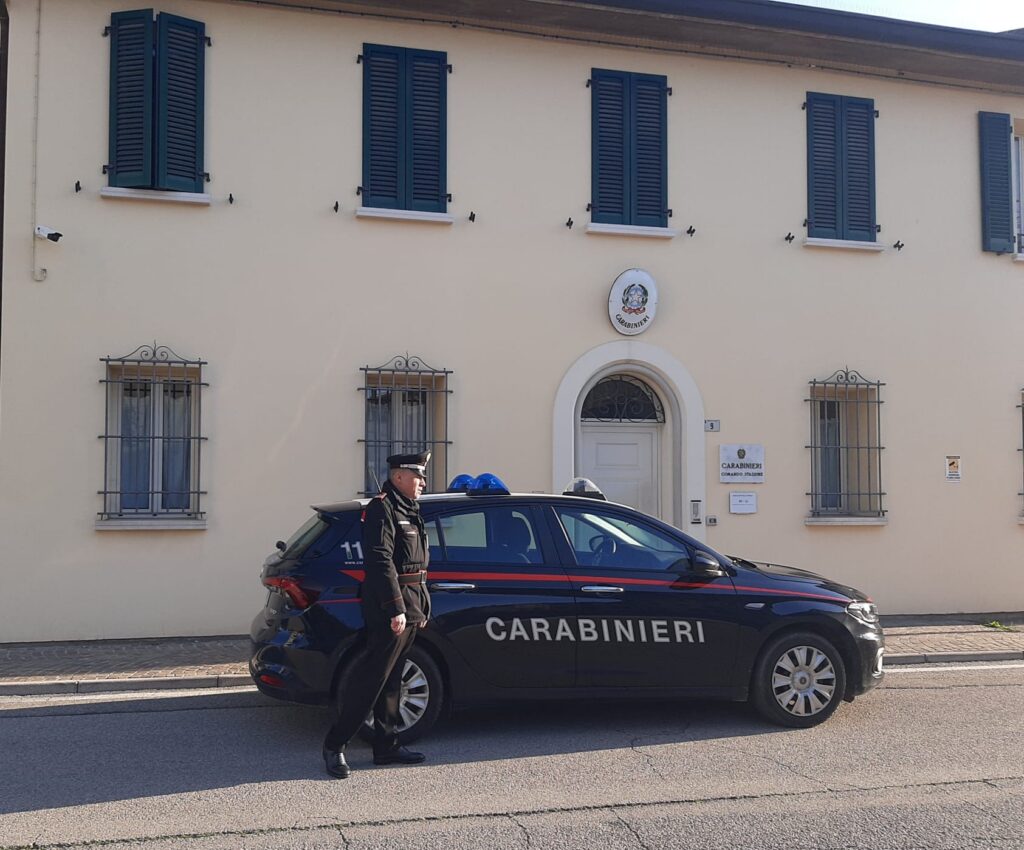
548 597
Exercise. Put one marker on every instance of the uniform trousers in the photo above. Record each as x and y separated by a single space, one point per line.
375 681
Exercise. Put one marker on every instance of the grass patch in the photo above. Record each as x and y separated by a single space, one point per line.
1000 627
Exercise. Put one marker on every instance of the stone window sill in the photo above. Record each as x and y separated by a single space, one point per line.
1018 258
200 198
404 215
632 230
151 524
843 521
848 244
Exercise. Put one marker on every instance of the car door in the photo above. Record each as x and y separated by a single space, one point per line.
644 618
498 594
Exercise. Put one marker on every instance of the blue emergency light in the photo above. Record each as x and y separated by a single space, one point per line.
485 484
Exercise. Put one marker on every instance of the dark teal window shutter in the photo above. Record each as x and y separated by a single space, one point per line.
383 123
995 132
426 117
648 151
610 201
404 128
858 211
840 167
130 156
181 46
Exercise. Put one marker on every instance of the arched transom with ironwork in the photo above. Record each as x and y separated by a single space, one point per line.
622 398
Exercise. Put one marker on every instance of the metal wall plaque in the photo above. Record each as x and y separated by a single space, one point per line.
741 463
633 302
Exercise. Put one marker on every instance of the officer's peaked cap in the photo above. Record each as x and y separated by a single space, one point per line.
416 462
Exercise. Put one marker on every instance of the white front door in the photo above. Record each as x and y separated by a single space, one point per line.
622 460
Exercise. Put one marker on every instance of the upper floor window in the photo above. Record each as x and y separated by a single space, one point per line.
404 128
153 436
846 448
840 167
1001 175
406 411
629 148
156 101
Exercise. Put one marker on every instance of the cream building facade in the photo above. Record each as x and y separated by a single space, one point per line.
189 368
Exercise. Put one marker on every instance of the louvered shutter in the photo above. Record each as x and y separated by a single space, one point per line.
610 147
824 113
384 177
130 156
995 137
858 183
180 55
648 160
426 121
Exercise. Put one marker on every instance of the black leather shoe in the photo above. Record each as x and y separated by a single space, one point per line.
402 755
335 764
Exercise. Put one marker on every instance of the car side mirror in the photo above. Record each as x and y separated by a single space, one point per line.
705 564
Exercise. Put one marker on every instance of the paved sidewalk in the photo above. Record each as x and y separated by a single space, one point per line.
167 663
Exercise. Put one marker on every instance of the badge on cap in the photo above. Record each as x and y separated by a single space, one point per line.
416 462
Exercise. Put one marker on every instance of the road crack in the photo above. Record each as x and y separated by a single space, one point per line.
632 831
786 766
522 826
648 758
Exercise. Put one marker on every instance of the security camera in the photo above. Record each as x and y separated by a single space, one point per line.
47 233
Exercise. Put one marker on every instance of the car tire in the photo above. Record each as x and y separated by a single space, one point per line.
423 696
799 680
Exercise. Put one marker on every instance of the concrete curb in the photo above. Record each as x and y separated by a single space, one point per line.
119 685
235 680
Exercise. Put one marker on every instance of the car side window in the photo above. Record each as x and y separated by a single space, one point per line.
604 539
491 535
434 540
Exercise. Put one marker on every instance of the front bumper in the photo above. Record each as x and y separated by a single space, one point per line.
869 671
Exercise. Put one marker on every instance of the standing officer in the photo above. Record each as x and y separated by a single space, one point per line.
395 605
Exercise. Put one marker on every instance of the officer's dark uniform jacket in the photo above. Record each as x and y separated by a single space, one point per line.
397 553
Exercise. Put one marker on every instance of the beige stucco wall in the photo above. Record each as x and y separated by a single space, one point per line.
287 299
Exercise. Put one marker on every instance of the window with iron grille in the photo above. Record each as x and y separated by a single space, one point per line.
152 436
406 410
1020 407
846 447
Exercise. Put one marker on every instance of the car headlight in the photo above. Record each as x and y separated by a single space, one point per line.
866 612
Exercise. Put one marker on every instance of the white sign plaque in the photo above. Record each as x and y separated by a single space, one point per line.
953 468
741 463
633 302
742 503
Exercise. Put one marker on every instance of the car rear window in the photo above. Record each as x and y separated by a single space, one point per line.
302 539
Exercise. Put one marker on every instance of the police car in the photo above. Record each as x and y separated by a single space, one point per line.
547 597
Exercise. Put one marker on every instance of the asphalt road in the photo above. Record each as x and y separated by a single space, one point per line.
934 758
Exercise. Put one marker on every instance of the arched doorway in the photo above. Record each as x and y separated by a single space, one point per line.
682 456
621 424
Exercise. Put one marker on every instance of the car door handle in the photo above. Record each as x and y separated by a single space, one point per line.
601 588
452 586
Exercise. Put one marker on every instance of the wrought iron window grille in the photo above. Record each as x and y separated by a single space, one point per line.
846 447
1020 407
622 398
152 435
405 410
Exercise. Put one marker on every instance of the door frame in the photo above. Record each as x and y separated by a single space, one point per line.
684 437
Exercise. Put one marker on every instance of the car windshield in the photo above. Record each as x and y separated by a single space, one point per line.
300 541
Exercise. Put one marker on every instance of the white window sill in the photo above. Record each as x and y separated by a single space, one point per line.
156 195
848 244
846 520
150 524
404 215
632 230
1018 258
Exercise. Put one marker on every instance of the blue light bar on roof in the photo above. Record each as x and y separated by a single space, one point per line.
486 484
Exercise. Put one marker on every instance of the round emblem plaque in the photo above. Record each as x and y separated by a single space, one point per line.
633 302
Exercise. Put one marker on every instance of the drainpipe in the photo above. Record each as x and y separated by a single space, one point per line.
5 41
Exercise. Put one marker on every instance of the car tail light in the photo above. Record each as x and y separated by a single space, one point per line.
300 596
273 681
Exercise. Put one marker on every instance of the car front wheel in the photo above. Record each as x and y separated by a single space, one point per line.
421 701
799 680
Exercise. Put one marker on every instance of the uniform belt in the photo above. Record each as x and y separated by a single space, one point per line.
412 578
